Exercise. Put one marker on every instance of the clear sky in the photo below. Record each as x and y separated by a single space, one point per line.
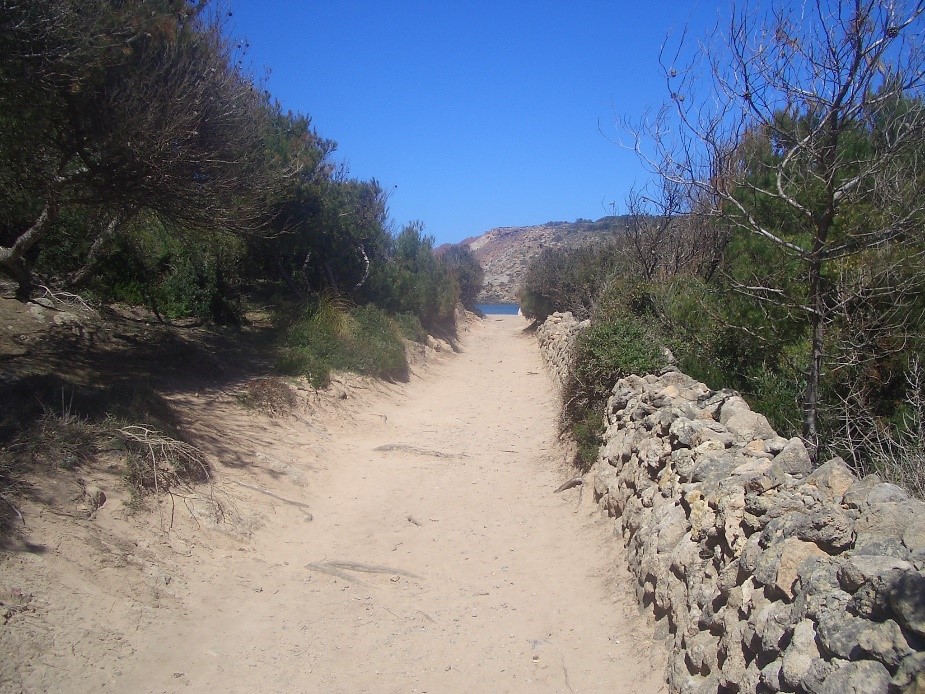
473 114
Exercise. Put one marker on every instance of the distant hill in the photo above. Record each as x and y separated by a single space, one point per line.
505 252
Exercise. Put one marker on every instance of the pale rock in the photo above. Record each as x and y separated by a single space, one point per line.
732 405
753 468
701 516
701 650
907 599
838 634
771 676
910 676
889 519
747 425
858 569
800 654
856 495
914 536
833 478
862 677
775 444
794 553
885 642
794 459
756 449
732 512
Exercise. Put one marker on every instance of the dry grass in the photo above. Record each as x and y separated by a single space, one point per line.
896 453
272 396
161 463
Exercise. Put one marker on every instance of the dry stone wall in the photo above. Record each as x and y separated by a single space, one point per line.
767 575
556 337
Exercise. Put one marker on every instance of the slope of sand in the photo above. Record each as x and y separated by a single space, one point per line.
401 539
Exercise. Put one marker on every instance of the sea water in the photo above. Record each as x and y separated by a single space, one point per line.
499 309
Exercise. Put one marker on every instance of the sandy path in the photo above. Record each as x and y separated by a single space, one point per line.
479 578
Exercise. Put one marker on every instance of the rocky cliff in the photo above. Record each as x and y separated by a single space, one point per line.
766 575
505 252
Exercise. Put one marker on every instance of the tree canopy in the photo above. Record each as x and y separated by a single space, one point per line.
140 161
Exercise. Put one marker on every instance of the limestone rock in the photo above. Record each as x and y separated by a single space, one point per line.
800 654
829 528
889 519
832 478
793 555
730 405
907 598
885 642
914 537
794 459
838 634
747 426
858 569
862 677
910 676
771 676
871 490
764 574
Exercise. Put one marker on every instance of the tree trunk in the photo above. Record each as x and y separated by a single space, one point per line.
12 259
814 370
96 250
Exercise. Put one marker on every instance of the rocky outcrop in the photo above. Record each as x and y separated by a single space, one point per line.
766 574
556 337
505 252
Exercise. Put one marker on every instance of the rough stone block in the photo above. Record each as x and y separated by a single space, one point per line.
794 459
907 598
884 641
800 654
862 677
833 478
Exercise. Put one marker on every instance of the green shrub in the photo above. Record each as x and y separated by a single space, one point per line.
410 327
329 335
609 351
604 353
568 279
414 280
586 433
176 276
467 272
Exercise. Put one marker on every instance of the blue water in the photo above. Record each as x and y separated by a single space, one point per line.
498 309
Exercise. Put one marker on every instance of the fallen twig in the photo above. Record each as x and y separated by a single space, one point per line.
405 448
13 506
568 484
332 571
369 568
292 502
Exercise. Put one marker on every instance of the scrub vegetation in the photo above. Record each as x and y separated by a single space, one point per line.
141 165
780 251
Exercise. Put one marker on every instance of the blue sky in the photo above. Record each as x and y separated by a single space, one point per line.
473 114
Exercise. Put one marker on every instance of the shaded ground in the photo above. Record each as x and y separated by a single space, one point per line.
381 538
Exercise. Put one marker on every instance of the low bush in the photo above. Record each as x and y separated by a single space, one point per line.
176 275
331 335
271 396
609 351
410 327
467 272
604 353
568 280
158 463
413 280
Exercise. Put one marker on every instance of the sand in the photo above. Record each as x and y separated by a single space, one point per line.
392 538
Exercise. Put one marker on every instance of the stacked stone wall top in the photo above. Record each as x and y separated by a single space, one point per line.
767 575
556 337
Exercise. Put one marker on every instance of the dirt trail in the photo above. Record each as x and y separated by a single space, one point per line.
406 541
